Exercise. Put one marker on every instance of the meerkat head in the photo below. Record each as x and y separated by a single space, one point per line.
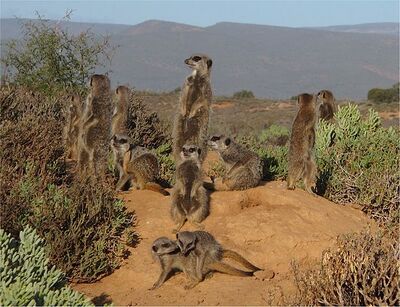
306 99
200 63
122 91
186 241
219 142
120 142
190 152
163 245
324 95
99 84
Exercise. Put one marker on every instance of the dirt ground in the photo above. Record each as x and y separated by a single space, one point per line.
268 225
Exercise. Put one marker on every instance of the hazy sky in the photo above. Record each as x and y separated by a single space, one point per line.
205 13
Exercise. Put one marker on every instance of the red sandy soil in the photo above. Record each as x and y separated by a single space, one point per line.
268 225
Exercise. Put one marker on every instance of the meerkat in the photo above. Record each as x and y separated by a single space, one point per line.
192 120
120 113
244 167
94 132
71 129
206 249
170 257
137 165
189 197
301 162
327 107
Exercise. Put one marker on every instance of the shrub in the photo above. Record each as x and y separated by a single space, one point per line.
81 221
358 162
362 270
144 128
243 94
167 164
49 59
389 95
26 277
274 135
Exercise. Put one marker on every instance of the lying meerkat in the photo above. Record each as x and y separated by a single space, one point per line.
244 167
189 198
206 249
137 165
192 120
169 256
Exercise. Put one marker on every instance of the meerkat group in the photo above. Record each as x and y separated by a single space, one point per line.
90 127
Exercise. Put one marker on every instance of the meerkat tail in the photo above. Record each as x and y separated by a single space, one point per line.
227 269
152 186
235 256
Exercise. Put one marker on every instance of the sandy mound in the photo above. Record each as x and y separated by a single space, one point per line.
268 225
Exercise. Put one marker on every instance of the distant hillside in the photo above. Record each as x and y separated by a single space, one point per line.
275 62
389 28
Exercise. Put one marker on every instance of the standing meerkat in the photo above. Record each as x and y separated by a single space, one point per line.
244 167
189 197
327 107
119 120
137 165
71 128
301 162
94 132
207 250
120 112
169 256
192 120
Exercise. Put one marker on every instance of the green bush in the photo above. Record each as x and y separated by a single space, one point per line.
81 221
243 94
358 162
274 135
144 127
49 59
388 95
26 278
362 270
167 163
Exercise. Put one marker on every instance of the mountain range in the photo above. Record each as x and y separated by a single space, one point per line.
271 61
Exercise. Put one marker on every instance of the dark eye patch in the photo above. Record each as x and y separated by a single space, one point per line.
191 149
123 141
196 58
165 245
215 138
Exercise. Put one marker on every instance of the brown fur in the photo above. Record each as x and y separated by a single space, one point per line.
170 258
120 114
244 168
192 120
189 198
138 166
95 125
301 162
71 128
327 107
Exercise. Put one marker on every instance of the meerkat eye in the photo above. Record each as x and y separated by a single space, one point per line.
123 141
196 58
191 150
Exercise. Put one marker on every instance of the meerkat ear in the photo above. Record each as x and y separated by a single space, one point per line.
199 151
91 81
209 63
116 91
227 141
